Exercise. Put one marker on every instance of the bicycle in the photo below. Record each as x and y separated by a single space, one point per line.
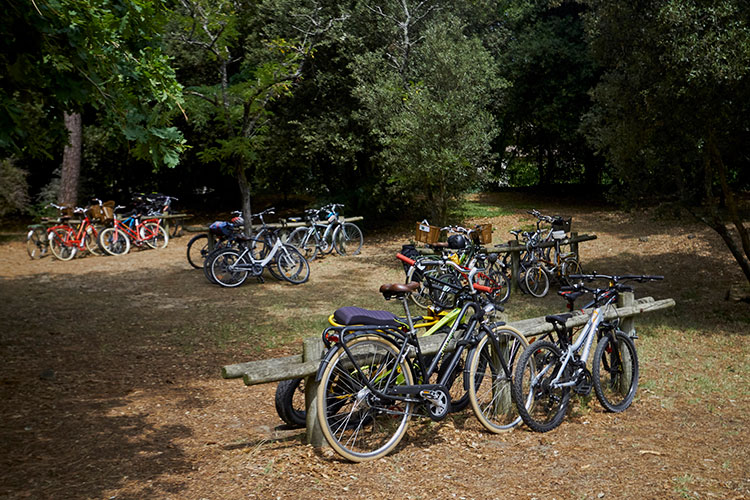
157 205
547 371
66 241
558 267
324 237
491 274
290 394
374 378
230 267
37 244
223 234
116 239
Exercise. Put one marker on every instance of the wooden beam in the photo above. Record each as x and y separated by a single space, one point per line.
299 366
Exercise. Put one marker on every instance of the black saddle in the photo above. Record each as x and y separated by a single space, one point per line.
558 318
351 315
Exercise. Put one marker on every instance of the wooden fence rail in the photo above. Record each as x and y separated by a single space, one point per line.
305 365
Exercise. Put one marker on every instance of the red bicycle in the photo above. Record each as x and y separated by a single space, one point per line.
67 241
116 240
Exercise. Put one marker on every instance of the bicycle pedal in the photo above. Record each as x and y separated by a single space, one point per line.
584 385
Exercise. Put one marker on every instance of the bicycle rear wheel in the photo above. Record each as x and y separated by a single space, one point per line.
541 405
155 235
490 389
570 266
36 243
357 424
347 239
615 371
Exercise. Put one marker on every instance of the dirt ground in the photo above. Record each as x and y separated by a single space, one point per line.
110 382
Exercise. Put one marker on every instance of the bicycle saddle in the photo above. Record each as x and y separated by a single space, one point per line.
558 318
398 289
351 315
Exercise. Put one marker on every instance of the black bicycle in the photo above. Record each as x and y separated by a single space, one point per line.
374 378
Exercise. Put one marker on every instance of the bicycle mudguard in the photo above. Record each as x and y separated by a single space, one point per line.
346 338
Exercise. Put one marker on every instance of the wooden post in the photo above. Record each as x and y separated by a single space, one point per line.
574 245
312 351
627 325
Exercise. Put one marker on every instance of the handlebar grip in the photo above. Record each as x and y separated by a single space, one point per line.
482 288
405 259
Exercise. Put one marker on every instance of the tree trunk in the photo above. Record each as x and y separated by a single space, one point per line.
71 164
246 200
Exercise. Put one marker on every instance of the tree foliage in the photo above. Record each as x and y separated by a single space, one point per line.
671 110
425 93
65 55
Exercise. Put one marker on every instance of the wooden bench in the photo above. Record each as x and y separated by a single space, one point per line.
306 365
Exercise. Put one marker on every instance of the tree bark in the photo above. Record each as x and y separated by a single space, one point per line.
71 163
246 200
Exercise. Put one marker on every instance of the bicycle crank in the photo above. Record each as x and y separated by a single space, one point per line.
439 402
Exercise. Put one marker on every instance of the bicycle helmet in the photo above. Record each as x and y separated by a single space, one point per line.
457 241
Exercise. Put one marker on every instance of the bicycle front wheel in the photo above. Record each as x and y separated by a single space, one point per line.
541 404
290 402
304 241
62 243
490 387
223 271
114 241
570 266
537 281
197 250
357 424
36 243
347 239
615 371
292 265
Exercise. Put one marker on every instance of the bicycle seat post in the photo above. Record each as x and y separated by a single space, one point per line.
405 301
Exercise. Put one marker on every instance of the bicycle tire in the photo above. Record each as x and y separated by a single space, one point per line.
290 402
354 422
114 241
569 266
537 281
304 241
348 239
292 265
155 235
221 272
207 263
197 250
489 390
540 407
61 243
615 371
91 240
36 243
421 296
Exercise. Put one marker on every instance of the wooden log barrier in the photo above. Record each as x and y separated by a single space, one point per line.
306 365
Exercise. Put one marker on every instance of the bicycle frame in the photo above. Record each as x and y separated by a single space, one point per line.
246 253
393 391
585 339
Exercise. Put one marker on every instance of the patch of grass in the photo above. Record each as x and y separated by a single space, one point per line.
682 485
477 210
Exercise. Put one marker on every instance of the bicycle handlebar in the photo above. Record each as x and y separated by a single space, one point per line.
617 279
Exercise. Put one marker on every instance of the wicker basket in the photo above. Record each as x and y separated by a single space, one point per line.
427 234
102 213
485 234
